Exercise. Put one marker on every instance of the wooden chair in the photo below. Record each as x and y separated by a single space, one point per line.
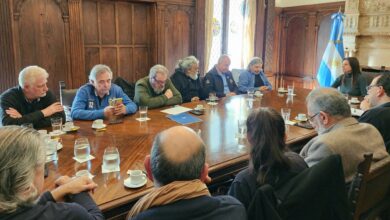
369 193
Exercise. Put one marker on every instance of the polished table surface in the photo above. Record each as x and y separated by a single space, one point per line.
225 153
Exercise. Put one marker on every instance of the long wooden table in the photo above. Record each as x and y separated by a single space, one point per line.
134 140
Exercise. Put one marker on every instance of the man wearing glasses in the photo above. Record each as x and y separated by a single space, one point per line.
156 90
376 105
339 133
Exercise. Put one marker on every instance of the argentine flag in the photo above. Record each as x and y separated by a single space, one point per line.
332 60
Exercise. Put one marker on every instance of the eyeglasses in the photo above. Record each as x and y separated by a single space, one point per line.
370 86
312 117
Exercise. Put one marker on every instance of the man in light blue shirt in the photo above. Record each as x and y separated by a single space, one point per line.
92 100
254 78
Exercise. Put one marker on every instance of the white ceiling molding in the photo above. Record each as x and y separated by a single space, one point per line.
291 3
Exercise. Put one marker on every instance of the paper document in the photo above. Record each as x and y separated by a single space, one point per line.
184 118
356 112
176 110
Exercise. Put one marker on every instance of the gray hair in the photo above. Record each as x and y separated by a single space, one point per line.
165 171
328 100
21 151
29 75
186 63
99 69
254 61
158 68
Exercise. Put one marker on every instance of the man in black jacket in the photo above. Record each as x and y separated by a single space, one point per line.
31 101
219 79
377 104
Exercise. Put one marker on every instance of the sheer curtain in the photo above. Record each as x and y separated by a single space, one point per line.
208 32
248 40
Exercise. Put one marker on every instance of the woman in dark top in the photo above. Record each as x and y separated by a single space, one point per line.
352 82
22 159
270 162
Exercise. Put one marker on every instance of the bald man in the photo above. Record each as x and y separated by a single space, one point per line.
178 169
219 79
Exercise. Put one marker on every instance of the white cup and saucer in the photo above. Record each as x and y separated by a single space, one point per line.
258 94
70 127
301 117
199 108
136 179
354 100
282 90
98 124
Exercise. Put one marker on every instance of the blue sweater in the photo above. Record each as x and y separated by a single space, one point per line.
86 105
246 81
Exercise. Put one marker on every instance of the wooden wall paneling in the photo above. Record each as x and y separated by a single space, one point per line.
7 62
310 45
260 32
161 22
199 40
76 77
41 34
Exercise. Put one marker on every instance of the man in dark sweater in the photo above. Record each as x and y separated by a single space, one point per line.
31 101
177 167
377 106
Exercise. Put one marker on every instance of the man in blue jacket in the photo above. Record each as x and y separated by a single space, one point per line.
254 78
219 79
92 100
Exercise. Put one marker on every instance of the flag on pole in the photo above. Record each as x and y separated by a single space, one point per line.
332 60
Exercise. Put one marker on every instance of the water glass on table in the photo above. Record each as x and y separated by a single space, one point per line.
81 148
290 90
143 113
111 159
56 124
212 97
241 128
286 114
251 93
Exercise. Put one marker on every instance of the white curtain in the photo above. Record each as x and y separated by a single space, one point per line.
248 39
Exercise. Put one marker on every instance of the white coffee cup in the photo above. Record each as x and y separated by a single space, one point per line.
258 93
301 116
354 99
199 107
98 123
69 125
136 177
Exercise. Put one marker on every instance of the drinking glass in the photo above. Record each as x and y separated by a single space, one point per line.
111 158
241 128
81 148
56 124
51 149
290 90
212 97
286 114
251 93
143 113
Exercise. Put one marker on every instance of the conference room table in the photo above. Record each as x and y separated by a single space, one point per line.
226 154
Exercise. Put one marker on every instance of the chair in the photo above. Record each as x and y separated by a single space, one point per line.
66 95
369 192
127 87
236 74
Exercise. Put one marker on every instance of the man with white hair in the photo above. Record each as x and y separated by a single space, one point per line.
156 90
339 133
92 100
31 101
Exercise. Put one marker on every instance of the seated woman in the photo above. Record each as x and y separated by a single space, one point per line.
186 79
253 78
22 159
270 162
352 82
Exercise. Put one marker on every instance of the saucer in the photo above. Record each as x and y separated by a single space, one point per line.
354 102
282 90
74 128
304 119
53 134
99 127
128 183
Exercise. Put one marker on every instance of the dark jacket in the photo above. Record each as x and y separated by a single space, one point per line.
245 185
379 116
187 86
81 207
31 112
203 207
213 82
344 81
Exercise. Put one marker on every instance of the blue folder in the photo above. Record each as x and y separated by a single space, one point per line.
184 118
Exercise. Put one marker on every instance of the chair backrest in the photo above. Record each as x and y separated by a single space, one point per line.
236 74
369 192
66 95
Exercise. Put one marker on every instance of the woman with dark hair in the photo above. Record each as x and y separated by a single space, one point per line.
352 82
270 162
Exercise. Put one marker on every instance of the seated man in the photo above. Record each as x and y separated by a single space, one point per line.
31 101
219 79
254 78
377 106
177 167
156 90
92 100
339 133
186 79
